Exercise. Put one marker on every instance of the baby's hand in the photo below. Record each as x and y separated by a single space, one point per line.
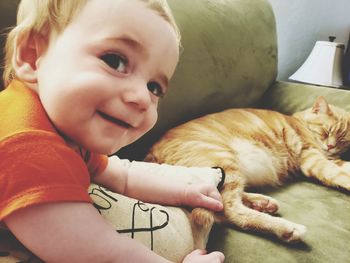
201 256
203 195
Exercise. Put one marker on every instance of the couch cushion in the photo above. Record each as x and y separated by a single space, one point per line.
324 211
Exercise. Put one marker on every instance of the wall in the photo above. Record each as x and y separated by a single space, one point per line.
300 23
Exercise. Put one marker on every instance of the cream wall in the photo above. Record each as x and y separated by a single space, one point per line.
300 23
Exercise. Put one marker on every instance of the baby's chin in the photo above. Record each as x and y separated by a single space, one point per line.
106 150
106 145
99 147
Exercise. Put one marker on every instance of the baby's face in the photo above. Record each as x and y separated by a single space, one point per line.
101 78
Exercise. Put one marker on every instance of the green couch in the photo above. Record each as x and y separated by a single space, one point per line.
229 59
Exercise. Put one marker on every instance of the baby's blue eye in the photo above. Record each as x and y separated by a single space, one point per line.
155 89
115 61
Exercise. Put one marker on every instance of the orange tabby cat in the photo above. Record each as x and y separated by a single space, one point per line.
259 148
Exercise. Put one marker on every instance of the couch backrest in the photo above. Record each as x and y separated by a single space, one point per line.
229 60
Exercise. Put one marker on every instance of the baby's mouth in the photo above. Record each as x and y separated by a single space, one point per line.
114 120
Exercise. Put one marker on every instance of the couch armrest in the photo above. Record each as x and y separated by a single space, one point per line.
289 97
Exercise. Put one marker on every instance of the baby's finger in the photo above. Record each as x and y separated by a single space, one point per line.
211 203
199 252
214 193
217 255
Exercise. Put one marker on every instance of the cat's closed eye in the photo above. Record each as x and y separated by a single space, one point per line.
320 131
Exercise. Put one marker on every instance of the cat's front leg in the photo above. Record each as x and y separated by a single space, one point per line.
314 164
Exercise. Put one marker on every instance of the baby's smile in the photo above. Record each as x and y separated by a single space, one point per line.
114 120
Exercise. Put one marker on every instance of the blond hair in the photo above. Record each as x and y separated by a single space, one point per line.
44 17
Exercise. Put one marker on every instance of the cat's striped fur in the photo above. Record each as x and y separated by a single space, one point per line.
259 148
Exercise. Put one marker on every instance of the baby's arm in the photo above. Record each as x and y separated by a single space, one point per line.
75 232
151 183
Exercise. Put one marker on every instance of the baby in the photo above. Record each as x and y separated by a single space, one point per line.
83 80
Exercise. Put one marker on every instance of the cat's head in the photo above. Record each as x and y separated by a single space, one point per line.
329 124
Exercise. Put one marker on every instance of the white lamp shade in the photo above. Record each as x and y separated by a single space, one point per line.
323 66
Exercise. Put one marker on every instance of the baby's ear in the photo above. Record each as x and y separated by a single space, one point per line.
27 51
321 106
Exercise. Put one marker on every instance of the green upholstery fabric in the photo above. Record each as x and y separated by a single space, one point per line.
229 60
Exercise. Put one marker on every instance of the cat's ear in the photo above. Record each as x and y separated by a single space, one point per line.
321 106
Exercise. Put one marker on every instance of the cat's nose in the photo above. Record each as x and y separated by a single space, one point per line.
330 146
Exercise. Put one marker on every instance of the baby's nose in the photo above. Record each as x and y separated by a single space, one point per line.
139 96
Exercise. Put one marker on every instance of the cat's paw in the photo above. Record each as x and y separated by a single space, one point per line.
261 203
294 233
342 180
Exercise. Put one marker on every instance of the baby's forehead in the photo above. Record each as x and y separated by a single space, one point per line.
113 13
97 17
125 22
116 18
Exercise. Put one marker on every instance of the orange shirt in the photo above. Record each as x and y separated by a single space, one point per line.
36 164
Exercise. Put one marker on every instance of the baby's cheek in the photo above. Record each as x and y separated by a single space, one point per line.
153 118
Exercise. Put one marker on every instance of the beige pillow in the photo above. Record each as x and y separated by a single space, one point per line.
165 230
